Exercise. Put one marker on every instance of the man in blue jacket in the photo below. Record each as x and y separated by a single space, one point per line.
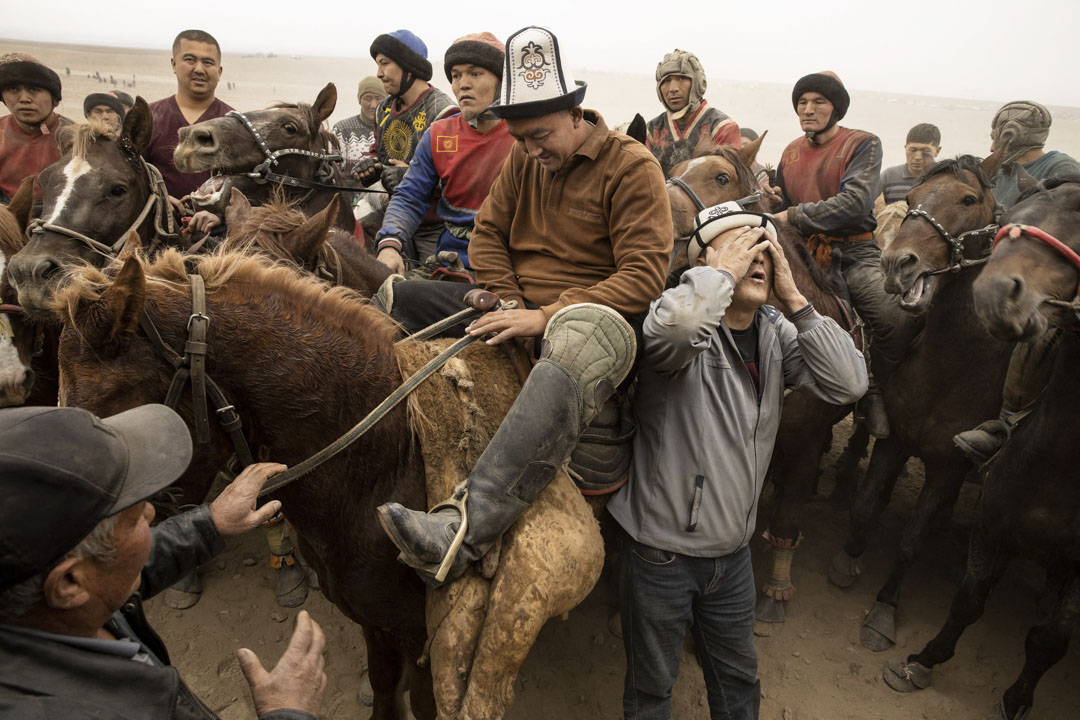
714 368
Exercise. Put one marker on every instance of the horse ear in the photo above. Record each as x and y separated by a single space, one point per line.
638 129
1024 180
23 202
115 316
748 152
306 240
132 246
139 125
991 164
325 102
237 210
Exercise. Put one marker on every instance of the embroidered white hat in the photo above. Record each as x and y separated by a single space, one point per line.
535 80
720 218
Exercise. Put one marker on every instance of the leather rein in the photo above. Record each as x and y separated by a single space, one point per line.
957 259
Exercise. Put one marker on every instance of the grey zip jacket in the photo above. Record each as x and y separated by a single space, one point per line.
705 437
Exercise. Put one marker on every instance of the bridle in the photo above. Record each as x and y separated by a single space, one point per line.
678 182
324 173
957 260
1018 230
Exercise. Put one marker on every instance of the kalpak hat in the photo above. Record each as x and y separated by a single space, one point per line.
717 219
63 470
535 79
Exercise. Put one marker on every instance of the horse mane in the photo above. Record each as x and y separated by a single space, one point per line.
821 278
339 307
956 167
11 239
1049 184
87 134
266 225
327 139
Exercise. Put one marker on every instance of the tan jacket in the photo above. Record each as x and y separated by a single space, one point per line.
598 230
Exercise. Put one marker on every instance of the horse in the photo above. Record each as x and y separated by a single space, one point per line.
17 337
283 148
93 197
806 422
949 381
304 360
1030 498
284 233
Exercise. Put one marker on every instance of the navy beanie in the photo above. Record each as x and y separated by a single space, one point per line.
406 50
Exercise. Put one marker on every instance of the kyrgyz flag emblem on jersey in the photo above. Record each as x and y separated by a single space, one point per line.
446 143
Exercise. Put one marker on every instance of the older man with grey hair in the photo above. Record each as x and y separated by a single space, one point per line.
1021 128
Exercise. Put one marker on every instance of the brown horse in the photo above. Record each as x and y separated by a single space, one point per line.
950 380
284 233
228 147
806 423
16 335
1031 500
100 190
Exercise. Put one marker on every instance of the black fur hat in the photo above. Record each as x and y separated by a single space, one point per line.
482 49
23 69
406 50
829 85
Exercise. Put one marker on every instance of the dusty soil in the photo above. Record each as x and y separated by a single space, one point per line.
812 669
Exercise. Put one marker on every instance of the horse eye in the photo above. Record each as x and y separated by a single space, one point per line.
969 200
722 179
290 128
118 190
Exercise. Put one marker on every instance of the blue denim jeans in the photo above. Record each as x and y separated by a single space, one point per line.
662 595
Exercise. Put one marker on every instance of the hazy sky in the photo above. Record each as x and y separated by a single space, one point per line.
988 49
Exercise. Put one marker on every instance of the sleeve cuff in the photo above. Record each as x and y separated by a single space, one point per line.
388 242
809 308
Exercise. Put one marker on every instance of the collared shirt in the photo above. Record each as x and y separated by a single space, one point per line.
25 153
168 119
597 230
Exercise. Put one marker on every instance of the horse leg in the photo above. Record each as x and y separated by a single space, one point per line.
386 664
987 558
942 486
1045 645
847 465
871 498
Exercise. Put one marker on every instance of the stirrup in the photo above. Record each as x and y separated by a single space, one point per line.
457 502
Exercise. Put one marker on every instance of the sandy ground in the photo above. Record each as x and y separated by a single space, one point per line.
813 669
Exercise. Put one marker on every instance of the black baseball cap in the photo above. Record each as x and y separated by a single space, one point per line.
63 470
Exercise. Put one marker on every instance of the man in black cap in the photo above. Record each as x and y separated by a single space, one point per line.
106 108
77 555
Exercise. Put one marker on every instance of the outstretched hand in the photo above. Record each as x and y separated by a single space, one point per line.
784 287
234 510
297 681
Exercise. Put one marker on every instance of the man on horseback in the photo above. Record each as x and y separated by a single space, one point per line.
28 144
456 160
77 556
829 179
576 230
1021 128
687 118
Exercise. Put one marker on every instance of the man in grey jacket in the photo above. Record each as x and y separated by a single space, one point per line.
715 364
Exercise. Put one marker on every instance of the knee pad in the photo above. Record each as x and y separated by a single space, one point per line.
596 347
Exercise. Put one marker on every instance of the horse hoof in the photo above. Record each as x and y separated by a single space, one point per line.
769 611
904 677
184 593
844 570
290 587
364 694
879 629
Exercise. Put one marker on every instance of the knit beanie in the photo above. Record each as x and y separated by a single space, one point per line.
108 99
481 49
681 62
18 68
828 84
406 50
1021 125
370 84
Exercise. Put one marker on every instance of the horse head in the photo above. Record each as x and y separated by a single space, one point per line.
1031 280
17 336
97 191
955 197
230 147
279 229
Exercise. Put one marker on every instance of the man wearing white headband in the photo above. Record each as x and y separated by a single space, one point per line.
713 371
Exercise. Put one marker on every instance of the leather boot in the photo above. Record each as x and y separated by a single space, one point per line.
871 410
982 443
533 441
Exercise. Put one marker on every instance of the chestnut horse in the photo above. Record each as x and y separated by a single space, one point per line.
229 148
1031 499
950 380
806 422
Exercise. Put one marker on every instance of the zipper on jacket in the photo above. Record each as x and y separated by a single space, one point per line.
695 503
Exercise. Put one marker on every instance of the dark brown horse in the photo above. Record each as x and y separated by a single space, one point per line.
806 423
340 364
93 197
1031 498
229 148
950 380
312 244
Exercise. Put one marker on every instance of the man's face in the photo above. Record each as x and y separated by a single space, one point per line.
814 111
550 139
113 582
106 115
198 68
474 88
676 92
920 156
30 105
368 103
752 290
390 73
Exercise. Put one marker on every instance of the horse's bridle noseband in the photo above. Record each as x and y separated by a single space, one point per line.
957 260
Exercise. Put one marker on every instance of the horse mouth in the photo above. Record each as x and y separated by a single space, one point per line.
918 294
213 195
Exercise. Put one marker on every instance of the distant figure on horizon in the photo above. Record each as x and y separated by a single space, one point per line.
196 62
1022 127
920 150
687 118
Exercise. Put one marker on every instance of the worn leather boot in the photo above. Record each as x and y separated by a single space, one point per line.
871 409
982 443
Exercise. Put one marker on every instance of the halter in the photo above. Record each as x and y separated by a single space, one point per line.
957 260
678 182
1017 230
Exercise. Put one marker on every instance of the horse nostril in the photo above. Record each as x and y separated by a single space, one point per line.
1017 288
203 138
44 269
907 259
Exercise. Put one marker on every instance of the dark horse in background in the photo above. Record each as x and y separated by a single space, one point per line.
806 422
950 380
1031 492
240 149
